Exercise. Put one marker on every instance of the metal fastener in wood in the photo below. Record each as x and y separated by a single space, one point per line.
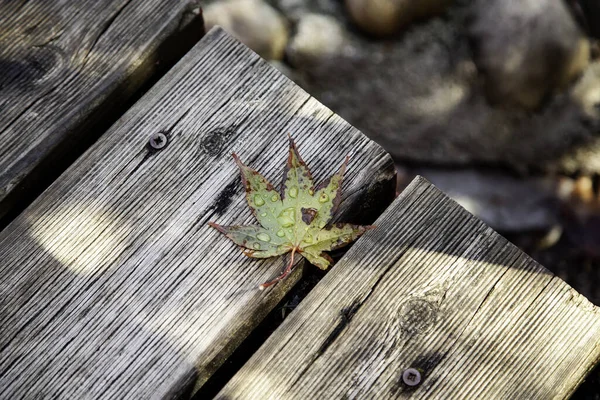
411 377
158 141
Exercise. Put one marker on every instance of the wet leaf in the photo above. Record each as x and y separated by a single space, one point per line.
294 219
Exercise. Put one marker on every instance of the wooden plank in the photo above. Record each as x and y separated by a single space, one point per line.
435 289
113 285
68 69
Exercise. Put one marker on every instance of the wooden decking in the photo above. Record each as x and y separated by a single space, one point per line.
68 70
113 286
436 290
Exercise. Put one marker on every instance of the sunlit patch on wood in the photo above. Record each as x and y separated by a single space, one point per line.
84 239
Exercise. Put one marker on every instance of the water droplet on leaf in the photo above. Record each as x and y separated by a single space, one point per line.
256 246
264 237
280 233
275 198
323 198
293 192
287 217
263 214
258 200
286 222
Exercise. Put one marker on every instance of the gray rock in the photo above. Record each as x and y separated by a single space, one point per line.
584 154
526 49
505 202
254 22
295 9
420 96
317 37
386 17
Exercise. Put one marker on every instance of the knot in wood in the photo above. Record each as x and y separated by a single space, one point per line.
416 316
37 65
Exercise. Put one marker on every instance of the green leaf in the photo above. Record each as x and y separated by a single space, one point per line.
331 239
295 220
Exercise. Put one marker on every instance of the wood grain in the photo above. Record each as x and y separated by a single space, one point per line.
113 285
435 289
68 70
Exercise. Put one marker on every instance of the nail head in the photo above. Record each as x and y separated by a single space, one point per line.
158 141
411 377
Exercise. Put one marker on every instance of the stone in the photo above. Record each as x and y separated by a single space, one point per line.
526 50
420 96
505 202
317 37
583 155
386 17
295 9
253 22
580 213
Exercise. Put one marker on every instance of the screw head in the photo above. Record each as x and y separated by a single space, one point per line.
411 377
158 141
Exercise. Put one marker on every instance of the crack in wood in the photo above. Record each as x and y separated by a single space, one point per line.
104 29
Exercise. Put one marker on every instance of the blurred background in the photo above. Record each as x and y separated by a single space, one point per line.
496 102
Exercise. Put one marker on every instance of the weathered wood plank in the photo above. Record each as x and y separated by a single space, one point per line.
68 69
434 289
113 285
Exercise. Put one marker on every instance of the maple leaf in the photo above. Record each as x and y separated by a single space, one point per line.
295 219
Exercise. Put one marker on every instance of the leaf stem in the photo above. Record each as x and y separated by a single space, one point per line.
285 273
